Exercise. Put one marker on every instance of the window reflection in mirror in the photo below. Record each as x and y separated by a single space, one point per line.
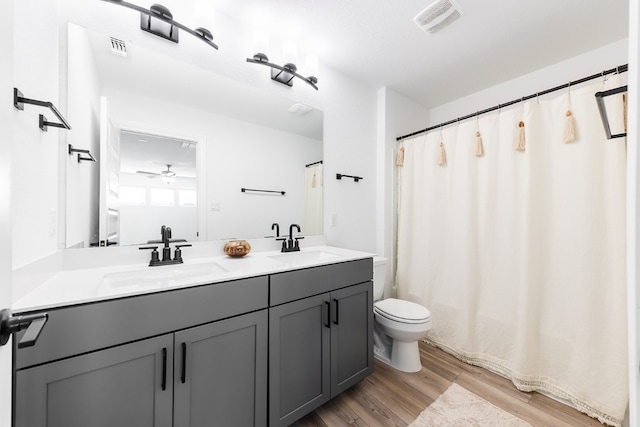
157 186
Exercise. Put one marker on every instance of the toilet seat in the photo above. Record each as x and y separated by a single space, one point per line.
402 311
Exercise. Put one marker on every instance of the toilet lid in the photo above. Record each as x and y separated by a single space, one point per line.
402 311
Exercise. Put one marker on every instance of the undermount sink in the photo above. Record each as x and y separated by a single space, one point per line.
304 257
161 276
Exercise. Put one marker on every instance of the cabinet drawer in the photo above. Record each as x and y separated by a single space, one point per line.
79 329
294 285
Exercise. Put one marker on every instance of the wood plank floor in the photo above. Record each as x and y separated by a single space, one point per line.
393 398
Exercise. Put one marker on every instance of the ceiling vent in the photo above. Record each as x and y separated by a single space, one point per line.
118 47
438 15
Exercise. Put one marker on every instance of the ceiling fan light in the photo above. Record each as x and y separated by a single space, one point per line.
169 179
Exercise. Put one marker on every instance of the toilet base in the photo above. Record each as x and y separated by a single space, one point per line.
403 356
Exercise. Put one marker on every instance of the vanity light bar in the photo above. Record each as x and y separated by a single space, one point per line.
283 74
162 13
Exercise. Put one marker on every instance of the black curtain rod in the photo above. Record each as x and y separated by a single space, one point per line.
319 162
619 69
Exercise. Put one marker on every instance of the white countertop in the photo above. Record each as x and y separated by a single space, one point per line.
85 285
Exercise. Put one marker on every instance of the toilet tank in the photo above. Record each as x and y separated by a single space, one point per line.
379 275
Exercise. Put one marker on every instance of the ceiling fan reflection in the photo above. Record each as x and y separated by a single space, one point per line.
167 176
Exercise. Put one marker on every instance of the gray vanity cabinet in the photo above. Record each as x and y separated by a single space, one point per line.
351 336
299 359
221 373
322 344
120 386
121 362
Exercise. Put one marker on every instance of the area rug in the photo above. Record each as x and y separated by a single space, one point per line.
458 407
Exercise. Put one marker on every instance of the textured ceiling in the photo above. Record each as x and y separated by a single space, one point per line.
376 41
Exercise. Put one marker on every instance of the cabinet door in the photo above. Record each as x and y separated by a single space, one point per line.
351 336
220 374
128 385
299 340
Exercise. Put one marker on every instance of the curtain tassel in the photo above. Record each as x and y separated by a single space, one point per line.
400 157
442 155
520 142
569 128
479 146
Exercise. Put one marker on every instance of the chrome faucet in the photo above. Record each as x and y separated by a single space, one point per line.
165 232
291 244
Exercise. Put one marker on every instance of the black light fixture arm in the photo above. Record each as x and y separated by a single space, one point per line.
201 33
19 100
285 73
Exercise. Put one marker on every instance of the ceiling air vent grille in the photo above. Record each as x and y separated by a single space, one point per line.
438 15
118 47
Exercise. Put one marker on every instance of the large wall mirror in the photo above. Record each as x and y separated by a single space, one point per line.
175 144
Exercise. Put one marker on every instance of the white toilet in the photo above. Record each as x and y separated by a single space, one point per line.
398 325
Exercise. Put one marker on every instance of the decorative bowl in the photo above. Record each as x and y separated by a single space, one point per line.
237 248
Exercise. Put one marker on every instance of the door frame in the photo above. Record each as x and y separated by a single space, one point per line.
7 114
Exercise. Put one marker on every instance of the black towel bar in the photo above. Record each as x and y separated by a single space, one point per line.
244 190
355 178
19 100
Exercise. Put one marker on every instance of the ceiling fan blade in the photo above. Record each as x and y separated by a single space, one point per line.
148 173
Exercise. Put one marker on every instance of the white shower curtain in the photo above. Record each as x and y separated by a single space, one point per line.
520 255
313 202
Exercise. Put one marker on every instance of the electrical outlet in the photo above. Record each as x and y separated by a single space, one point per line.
333 220
214 206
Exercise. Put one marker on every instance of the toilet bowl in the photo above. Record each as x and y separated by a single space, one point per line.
398 326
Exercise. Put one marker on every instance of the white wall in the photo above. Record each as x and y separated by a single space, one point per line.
349 148
34 200
589 63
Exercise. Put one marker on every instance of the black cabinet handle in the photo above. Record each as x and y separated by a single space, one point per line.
183 375
327 304
164 369
337 319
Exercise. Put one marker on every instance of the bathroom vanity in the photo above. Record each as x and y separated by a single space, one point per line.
257 341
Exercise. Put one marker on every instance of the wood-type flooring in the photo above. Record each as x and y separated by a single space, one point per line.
392 398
